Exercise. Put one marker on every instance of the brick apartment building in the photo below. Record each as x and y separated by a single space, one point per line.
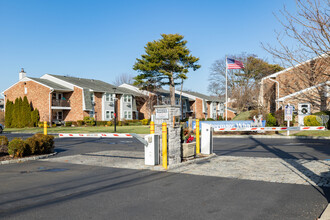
63 98
203 106
307 82
147 100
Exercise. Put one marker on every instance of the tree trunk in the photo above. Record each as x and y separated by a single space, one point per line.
172 90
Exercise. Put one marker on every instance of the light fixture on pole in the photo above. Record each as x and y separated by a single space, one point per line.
114 101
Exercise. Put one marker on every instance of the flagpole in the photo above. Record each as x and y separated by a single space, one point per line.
226 89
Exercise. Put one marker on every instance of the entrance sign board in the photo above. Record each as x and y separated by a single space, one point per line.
288 113
161 113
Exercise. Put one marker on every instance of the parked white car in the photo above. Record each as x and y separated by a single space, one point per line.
1 128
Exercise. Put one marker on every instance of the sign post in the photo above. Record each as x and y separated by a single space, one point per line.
288 116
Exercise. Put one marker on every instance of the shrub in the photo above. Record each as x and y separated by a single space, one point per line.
33 144
41 124
279 115
101 123
3 141
145 121
220 118
80 123
254 113
119 123
270 120
54 125
68 123
124 123
89 121
18 148
209 119
74 123
311 120
327 125
109 123
45 142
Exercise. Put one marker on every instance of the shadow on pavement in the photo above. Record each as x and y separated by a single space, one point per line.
309 175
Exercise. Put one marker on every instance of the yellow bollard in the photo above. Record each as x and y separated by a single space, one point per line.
45 127
164 137
152 127
197 137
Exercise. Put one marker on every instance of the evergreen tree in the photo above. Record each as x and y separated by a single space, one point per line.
166 61
15 114
35 117
9 114
26 113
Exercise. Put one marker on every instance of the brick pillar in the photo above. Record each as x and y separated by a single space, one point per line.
173 133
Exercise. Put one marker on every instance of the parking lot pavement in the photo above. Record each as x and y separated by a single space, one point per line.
308 149
98 178
54 190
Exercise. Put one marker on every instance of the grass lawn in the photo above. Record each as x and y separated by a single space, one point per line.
141 129
242 116
313 133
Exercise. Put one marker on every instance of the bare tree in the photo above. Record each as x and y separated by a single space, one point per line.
309 29
123 78
243 84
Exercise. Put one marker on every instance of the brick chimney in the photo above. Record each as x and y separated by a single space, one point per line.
22 74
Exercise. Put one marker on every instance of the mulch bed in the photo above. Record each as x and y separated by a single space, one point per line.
4 153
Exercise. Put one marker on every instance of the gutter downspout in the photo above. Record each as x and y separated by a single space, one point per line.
278 92
50 107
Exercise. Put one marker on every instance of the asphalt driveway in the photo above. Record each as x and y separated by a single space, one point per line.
56 190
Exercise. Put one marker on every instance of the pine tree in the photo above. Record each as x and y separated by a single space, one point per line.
166 61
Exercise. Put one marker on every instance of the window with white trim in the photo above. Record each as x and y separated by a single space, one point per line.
127 98
107 97
107 114
177 101
127 114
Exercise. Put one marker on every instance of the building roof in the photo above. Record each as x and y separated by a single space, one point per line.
92 84
303 91
202 96
129 91
292 67
50 84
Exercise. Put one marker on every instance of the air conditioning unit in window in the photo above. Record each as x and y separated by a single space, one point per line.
129 105
111 104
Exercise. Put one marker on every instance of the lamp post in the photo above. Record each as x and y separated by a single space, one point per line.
114 101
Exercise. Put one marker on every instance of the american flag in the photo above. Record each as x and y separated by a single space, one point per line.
234 64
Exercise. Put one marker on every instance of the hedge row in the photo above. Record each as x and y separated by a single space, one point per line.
107 123
37 144
19 114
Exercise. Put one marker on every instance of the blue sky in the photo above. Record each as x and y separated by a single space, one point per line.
101 39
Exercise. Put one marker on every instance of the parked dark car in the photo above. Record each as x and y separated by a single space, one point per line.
1 128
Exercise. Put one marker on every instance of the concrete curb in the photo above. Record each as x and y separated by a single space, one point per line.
193 161
326 213
175 166
20 160
271 136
